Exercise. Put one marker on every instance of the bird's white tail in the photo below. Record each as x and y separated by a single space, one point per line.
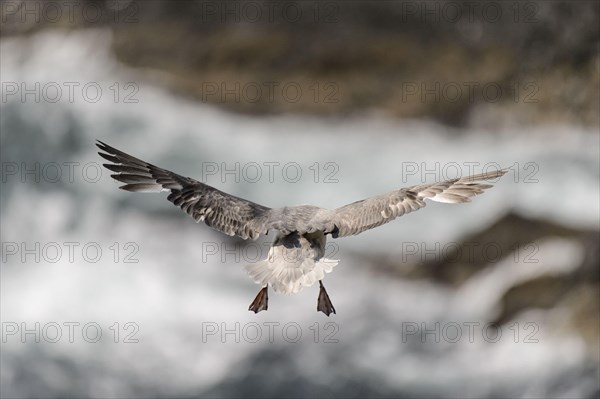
290 277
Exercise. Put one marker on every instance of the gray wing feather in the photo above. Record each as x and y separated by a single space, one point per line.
224 212
362 215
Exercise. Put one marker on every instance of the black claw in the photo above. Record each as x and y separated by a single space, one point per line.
261 302
323 302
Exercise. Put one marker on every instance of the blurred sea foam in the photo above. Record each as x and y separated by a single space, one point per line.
171 293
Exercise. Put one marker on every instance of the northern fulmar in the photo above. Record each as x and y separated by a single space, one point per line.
296 257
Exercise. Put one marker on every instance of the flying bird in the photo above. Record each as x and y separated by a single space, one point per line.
296 258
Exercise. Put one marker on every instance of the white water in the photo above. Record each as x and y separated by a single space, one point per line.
176 290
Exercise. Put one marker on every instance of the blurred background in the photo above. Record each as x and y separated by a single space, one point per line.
106 293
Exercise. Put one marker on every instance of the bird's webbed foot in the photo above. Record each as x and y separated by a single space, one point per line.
261 301
323 302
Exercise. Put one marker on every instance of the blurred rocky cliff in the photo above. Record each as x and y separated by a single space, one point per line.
459 62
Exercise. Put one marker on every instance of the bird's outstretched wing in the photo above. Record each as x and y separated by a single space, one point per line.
221 211
362 215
